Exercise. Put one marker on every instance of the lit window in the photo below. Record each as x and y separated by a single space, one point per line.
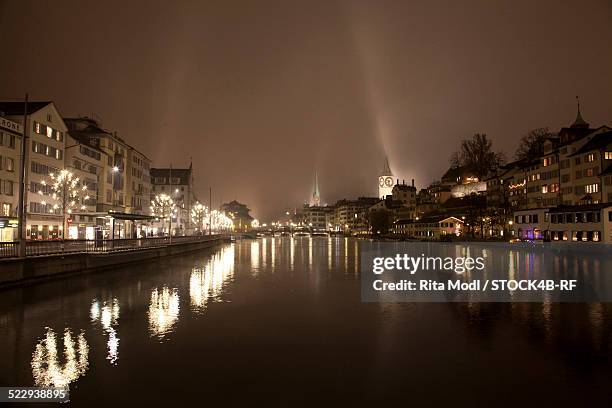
545 188
591 188
608 155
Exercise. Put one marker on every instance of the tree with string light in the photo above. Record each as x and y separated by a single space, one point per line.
199 213
163 207
66 193
220 222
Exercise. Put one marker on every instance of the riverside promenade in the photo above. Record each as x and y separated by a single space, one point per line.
49 259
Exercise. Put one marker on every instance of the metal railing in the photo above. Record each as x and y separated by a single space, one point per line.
9 249
58 247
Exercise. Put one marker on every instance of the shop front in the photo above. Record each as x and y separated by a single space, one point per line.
9 231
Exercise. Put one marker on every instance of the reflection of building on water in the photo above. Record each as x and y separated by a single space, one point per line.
48 369
255 255
163 311
207 283
108 315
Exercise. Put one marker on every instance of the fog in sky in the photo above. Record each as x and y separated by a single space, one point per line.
262 93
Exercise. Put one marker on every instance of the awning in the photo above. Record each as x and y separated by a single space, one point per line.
130 217
9 222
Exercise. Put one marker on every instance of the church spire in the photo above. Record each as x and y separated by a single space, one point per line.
315 200
579 122
386 169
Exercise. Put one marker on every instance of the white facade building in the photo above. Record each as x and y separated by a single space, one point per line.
45 130
87 163
385 181
10 151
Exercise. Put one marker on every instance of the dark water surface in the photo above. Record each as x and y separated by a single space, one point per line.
279 322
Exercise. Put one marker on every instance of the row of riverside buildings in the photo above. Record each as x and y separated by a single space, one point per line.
354 216
564 195
118 178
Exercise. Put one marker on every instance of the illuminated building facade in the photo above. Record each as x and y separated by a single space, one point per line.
385 181
87 163
44 155
10 149
178 184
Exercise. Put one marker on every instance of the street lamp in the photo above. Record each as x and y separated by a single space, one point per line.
114 170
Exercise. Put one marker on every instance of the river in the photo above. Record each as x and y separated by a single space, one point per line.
280 322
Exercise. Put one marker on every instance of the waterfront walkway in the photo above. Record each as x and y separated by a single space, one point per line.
58 247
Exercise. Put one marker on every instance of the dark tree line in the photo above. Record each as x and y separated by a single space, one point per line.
477 154
531 145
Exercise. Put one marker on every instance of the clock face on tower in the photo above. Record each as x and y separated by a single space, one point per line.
389 181
381 182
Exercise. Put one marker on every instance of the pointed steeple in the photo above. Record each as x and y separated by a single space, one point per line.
315 200
579 122
386 170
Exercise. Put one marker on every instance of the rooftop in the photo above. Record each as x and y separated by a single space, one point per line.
597 142
183 174
17 108
582 207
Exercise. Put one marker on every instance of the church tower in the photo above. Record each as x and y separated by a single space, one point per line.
385 181
315 199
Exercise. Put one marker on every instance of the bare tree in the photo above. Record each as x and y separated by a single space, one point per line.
455 160
531 145
477 153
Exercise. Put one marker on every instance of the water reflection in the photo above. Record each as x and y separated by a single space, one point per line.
272 254
255 256
313 282
206 284
163 311
329 253
108 316
47 366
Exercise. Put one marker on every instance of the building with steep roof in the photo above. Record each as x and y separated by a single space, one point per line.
385 181
178 184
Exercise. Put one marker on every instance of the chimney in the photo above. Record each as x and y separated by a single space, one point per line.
397 182
412 182
404 181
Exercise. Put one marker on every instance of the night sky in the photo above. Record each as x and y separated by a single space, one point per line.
261 93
